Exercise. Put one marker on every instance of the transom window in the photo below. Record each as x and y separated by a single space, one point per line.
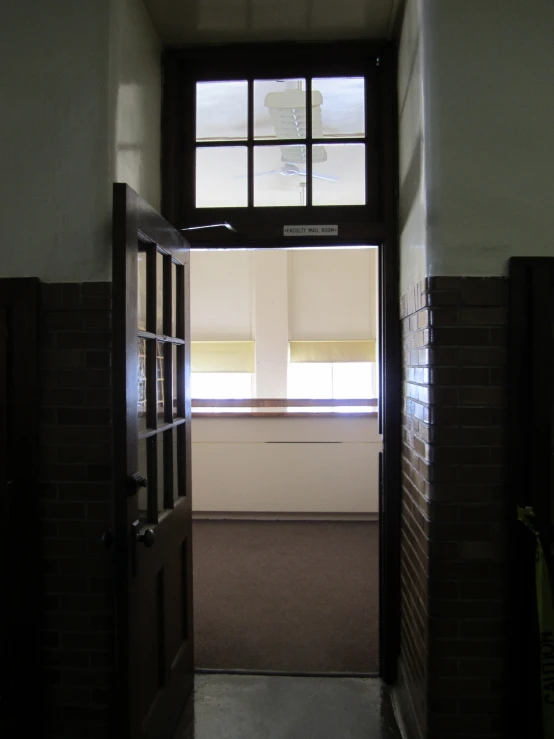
260 144
286 143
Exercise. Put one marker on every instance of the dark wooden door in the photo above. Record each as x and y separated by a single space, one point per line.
152 448
530 481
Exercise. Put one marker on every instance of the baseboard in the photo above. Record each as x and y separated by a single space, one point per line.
403 707
253 516
283 673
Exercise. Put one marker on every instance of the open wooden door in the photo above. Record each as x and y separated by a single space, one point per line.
152 455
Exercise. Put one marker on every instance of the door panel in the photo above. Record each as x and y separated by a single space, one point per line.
152 467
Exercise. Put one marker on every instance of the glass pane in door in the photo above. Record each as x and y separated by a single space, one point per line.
175 460
159 293
160 389
141 384
141 288
160 470
143 470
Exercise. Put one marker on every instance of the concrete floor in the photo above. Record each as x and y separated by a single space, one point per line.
257 707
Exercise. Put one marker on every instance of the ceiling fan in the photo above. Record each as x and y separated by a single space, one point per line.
290 170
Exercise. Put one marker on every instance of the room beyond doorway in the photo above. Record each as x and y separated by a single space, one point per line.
285 498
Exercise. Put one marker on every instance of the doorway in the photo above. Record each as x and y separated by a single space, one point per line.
285 457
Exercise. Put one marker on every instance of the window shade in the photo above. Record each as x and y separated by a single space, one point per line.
332 351
223 356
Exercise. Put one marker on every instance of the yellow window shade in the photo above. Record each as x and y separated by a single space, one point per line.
332 351
222 356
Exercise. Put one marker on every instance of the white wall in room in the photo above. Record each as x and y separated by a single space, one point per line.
413 196
235 469
332 294
271 322
54 140
221 289
136 79
490 94
248 295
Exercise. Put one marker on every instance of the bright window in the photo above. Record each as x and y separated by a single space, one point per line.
311 380
221 385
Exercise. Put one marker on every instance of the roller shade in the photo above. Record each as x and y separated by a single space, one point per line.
223 356
332 351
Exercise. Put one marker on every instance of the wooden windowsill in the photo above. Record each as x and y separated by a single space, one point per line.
283 414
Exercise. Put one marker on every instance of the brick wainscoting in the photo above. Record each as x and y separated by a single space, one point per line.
454 334
76 489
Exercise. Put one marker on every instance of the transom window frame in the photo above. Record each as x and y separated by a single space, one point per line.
262 226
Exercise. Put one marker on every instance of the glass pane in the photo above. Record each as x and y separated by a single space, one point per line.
352 380
221 177
280 109
141 383
221 385
309 380
221 111
278 181
159 293
141 289
174 365
341 111
340 180
143 470
160 380
160 470
173 299
175 447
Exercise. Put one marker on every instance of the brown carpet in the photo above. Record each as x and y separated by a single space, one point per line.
293 596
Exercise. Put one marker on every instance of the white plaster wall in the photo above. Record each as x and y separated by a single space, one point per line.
136 100
412 138
54 140
221 290
270 314
237 469
490 97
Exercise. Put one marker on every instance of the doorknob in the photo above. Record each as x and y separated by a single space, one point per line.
146 537
136 481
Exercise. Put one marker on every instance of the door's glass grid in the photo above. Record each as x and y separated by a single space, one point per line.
232 172
160 389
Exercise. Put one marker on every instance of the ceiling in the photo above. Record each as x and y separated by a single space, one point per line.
198 21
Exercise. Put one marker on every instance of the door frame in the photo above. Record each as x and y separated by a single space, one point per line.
383 233
19 301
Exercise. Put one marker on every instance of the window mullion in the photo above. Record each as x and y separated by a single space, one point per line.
308 141
250 135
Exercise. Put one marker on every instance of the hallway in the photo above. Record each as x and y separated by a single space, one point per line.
257 707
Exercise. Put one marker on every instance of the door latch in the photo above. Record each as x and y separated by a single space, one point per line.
135 482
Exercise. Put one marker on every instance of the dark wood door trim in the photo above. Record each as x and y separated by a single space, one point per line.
366 232
391 380
19 439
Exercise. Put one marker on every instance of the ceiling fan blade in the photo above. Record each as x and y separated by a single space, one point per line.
319 177
258 174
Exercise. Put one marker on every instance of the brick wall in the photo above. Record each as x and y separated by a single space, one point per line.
76 490
453 512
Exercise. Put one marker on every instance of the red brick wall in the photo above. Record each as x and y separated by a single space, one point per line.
76 491
453 526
